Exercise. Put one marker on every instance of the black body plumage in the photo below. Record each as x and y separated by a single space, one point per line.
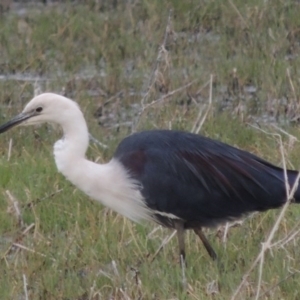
201 181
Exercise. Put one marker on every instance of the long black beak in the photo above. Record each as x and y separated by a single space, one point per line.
16 121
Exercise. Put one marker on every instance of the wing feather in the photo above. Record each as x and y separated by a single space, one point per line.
199 179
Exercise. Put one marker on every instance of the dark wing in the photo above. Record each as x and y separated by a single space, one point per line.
200 180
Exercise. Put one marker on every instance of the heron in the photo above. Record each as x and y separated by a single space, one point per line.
178 179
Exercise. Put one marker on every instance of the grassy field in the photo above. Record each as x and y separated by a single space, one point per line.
127 64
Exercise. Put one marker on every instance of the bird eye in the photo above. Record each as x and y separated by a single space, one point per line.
39 109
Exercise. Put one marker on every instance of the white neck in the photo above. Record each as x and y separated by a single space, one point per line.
108 183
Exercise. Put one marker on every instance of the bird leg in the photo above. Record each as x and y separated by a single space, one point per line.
180 236
206 243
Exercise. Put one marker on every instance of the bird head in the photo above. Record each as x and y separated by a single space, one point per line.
43 108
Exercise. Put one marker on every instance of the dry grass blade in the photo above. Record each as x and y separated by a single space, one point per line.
164 97
161 99
209 106
164 243
162 49
195 125
162 52
124 294
31 250
292 138
18 239
14 208
275 285
36 201
95 141
151 233
115 269
291 84
226 228
292 234
9 149
25 287
238 12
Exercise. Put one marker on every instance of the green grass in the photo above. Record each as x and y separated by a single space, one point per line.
91 52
